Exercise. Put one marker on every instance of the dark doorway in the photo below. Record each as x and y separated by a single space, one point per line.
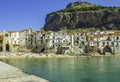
7 47
1 49
107 49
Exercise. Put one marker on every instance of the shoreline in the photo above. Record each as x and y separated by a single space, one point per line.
51 55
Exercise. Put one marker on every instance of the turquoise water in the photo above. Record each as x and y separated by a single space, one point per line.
99 69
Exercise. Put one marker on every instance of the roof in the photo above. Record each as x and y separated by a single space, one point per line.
13 31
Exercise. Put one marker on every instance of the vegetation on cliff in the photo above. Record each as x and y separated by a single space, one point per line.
86 7
84 15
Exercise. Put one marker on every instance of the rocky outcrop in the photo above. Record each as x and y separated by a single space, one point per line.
102 17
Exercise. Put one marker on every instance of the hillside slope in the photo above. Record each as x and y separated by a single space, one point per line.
83 15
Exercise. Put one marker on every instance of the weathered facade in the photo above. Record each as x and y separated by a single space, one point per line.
60 42
38 41
57 40
2 42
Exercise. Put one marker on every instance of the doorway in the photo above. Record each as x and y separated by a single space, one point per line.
1 49
7 47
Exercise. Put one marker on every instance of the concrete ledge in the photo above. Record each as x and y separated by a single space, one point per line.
30 78
9 73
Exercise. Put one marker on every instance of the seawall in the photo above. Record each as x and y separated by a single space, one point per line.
10 73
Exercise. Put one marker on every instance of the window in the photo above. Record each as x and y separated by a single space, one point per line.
41 37
53 41
25 38
117 44
109 38
41 41
6 35
53 46
36 47
59 41
103 43
82 43
35 40
15 42
1 41
117 38
53 37
112 43
77 38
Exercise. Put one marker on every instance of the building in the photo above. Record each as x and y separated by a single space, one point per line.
38 41
57 39
26 40
14 40
59 42
2 42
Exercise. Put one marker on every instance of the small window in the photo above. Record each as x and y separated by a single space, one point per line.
103 43
117 38
112 43
59 41
53 37
82 43
1 41
53 41
117 44
36 47
6 35
15 42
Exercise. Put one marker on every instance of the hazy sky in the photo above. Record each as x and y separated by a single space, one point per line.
20 14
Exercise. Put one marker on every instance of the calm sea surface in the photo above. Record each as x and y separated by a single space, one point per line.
99 69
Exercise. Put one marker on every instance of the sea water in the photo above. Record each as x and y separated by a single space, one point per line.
77 69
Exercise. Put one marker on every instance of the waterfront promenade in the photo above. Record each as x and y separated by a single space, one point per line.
9 73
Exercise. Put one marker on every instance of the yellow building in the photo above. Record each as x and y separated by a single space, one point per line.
2 42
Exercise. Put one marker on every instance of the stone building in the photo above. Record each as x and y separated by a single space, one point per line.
106 42
38 41
80 41
14 40
2 42
26 39
54 40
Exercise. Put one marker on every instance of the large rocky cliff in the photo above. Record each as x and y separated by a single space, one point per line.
83 15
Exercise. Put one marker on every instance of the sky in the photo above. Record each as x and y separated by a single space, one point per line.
16 15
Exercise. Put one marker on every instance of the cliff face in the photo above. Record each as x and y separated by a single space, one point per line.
83 15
